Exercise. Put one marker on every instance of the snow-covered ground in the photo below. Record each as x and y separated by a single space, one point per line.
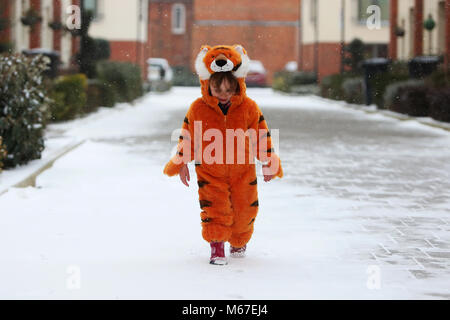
363 211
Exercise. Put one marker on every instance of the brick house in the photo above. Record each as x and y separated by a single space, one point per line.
40 35
409 16
268 30
326 26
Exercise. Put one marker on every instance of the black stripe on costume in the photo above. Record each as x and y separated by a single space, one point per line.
206 220
180 154
261 118
266 135
271 150
202 183
254 182
237 67
205 203
253 220
186 120
254 204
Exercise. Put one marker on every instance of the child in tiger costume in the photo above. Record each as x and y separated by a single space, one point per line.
227 181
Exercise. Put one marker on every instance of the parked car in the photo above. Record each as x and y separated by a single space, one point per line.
256 74
160 74
159 69
291 66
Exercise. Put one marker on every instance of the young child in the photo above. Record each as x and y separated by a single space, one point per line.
227 181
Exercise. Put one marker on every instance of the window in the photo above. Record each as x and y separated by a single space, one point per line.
178 18
92 5
364 4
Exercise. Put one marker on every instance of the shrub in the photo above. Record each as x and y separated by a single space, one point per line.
99 95
6 47
68 97
2 153
439 104
412 100
123 78
287 81
183 76
331 86
439 79
22 97
354 55
381 80
392 92
353 89
96 50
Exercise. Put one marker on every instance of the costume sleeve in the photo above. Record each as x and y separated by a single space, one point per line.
263 146
185 147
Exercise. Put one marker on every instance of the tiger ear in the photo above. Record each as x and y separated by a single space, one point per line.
240 49
205 48
200 66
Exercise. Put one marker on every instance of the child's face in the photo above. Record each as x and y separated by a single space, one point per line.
223 93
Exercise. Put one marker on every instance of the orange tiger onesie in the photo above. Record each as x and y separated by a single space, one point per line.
227 183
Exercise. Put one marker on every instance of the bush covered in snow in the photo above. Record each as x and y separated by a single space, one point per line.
123 78
22 101
68 97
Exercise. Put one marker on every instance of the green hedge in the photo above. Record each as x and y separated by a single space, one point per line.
439 104
22 100
68 97
99 95
353 90
331 86
184 77
287 81
122 79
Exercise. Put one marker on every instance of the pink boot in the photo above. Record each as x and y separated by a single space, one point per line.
217 253
238 252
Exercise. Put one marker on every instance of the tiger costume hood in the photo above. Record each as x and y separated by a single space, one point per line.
222 58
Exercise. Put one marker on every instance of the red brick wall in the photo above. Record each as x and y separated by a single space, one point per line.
393 26
418 29
447 33
267 29
57 17
35 31
328 57
260 10
5 13
164 44
129 51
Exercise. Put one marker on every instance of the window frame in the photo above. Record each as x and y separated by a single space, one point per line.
181 28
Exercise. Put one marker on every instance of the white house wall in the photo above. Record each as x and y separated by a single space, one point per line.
118 21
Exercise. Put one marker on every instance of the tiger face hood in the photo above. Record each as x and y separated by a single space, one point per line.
222 58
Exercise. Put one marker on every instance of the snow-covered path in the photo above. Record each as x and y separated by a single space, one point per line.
363 211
